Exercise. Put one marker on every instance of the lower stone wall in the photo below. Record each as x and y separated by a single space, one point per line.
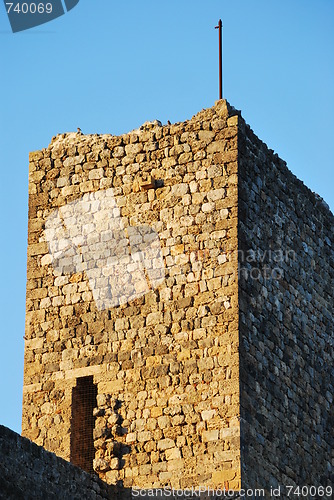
28 471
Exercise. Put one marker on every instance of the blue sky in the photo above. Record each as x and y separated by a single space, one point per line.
109 66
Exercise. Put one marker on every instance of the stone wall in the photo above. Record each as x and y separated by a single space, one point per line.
166 362
185 276
286 298
28 472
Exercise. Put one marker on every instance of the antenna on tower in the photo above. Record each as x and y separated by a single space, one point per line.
220 33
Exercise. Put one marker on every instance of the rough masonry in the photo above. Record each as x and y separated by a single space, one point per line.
218 372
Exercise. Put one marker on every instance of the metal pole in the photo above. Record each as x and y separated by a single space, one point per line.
220 28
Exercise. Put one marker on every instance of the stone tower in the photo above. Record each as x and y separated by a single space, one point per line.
179 326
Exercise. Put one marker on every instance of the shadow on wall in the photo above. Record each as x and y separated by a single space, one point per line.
109 434
29 472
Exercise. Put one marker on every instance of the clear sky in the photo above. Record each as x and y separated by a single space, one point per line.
108 66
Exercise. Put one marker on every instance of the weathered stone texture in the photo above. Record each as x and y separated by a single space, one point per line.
166 364
286 300
231 353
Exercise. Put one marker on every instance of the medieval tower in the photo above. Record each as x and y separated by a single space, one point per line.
180 309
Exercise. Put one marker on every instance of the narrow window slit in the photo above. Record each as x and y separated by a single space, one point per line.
82 423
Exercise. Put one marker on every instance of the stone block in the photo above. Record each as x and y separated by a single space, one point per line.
165 444
208 436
